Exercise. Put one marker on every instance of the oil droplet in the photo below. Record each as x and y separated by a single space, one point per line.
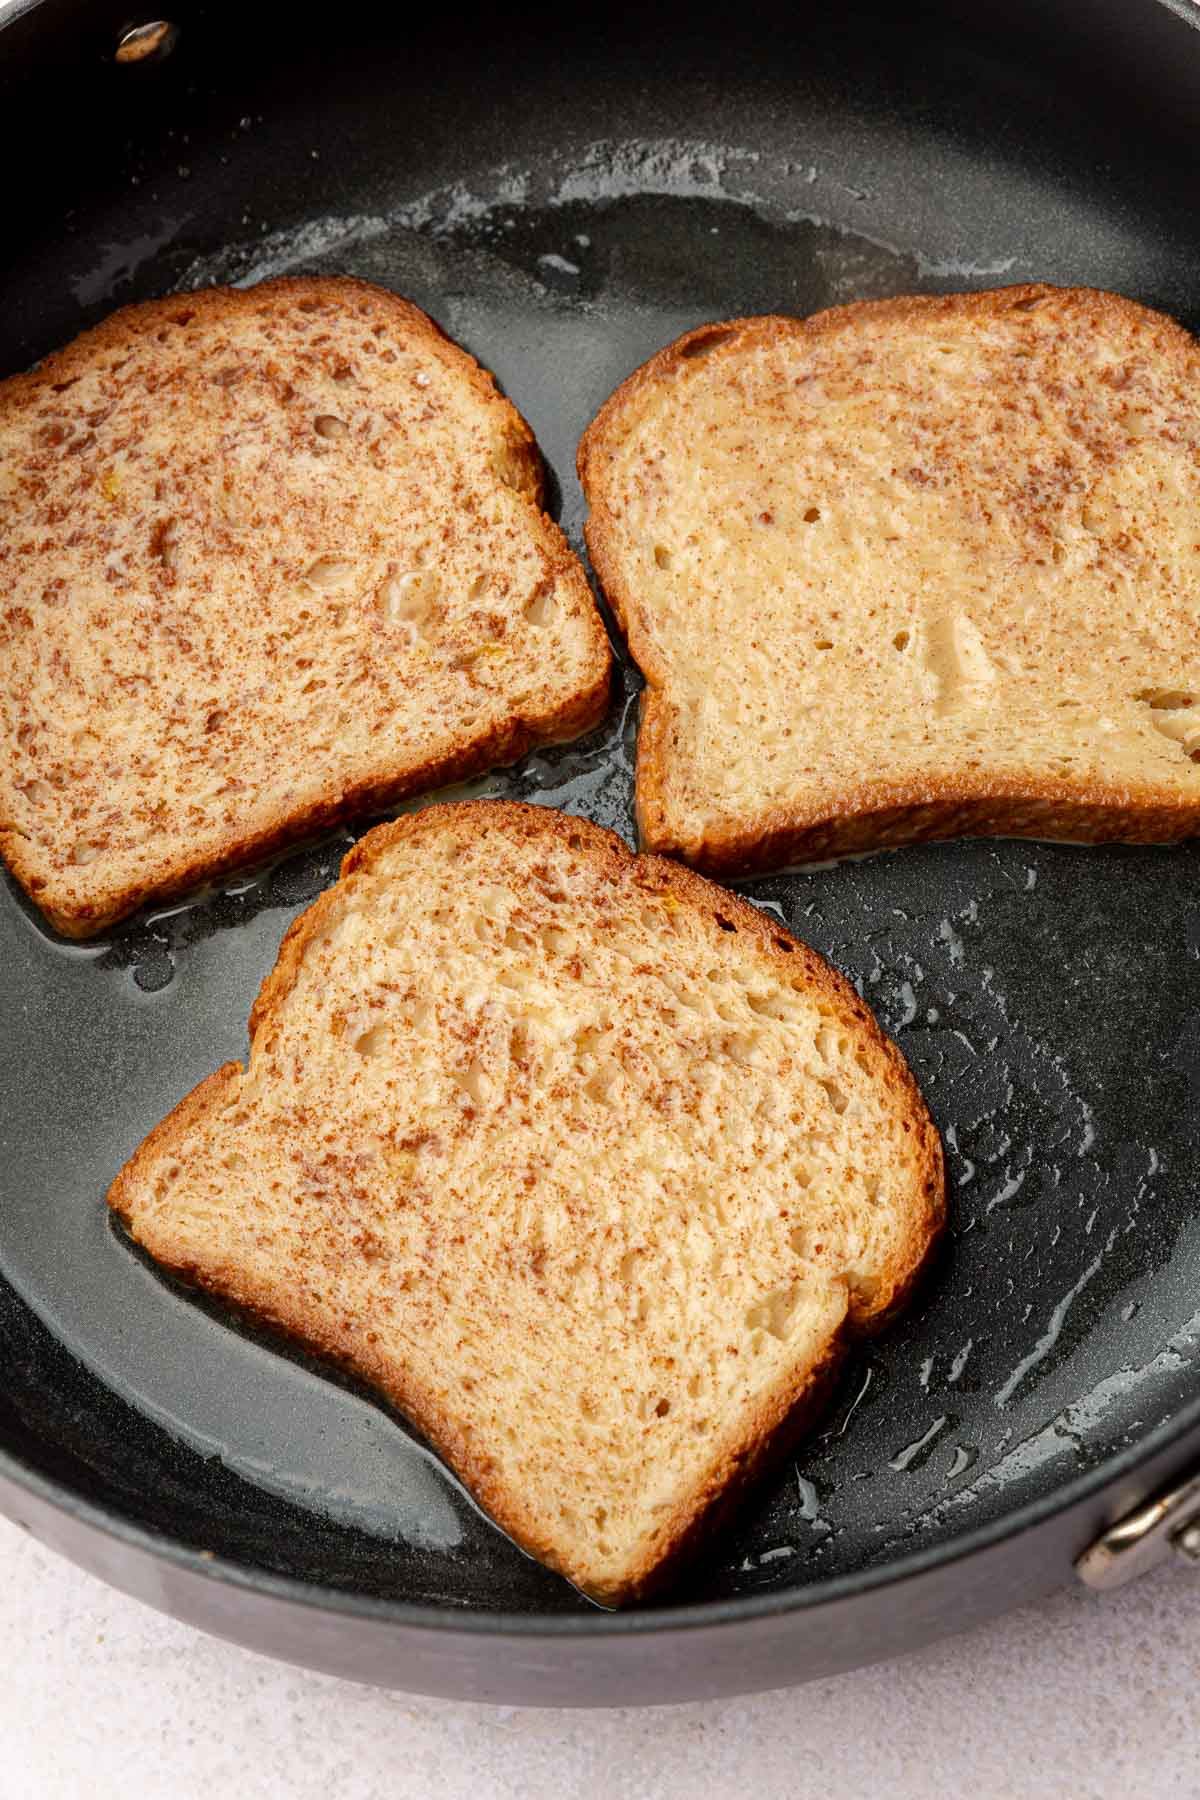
156 973
769 906
809 1510
1049 1338
914 1454
965 1457
952 941
853 1407
780 1553
1011 1188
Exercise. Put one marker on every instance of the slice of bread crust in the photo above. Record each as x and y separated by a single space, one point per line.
270 557
586 1165
909 569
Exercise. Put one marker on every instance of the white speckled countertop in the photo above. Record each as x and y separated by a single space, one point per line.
1081 1697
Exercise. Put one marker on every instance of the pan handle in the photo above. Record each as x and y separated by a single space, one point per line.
1168 1524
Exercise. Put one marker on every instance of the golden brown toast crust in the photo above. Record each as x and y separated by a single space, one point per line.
737 1459
82 901
878 811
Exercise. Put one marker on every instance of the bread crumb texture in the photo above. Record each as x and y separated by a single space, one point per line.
907 569
267 557
587 1165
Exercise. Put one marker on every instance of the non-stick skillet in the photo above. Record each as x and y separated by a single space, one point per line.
565 190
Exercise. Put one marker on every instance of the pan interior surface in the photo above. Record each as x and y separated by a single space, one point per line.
563 216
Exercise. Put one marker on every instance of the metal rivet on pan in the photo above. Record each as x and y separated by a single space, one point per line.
1187 1541
147 43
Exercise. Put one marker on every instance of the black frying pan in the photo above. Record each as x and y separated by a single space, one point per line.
565 194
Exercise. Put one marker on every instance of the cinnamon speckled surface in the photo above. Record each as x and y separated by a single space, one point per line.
1080 1696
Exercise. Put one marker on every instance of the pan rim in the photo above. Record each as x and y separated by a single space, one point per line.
596 1624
